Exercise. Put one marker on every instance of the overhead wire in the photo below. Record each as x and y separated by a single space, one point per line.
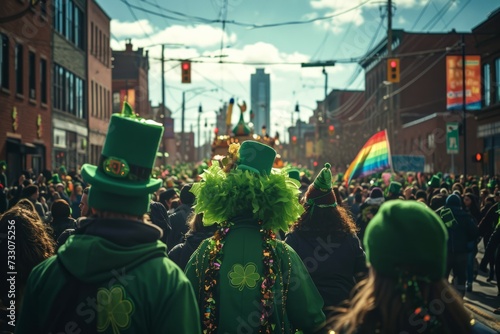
456 14
420 15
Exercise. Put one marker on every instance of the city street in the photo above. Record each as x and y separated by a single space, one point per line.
483 299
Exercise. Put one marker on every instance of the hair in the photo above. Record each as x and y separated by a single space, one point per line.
330 219
86 190
459 187
34 243
60 209
186 196
378 302
195 223
26 204
474 208
175 203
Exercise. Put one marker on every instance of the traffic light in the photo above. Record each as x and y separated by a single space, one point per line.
294 139
186 71
315 164
331 130
393 70
478 157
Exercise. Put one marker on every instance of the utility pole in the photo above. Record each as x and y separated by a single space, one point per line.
200 109
183 144
391 114
464 106
163 113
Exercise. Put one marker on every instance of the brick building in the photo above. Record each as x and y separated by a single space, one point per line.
415 110
25 90
99 81
130 79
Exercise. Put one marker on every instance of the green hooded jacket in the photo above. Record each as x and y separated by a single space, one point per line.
297 302
137 289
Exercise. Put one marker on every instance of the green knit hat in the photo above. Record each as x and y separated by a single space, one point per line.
294 174
122 181
323 180
256 157
395 187
406 236
434 182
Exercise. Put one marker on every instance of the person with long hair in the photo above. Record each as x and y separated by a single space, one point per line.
406 290
326 241
33 244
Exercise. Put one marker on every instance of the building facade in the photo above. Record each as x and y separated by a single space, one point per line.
487 35
25 89
99 81
130 79
420 93
69 73
260 93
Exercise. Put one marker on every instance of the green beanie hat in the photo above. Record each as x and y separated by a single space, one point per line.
406 236
395 187
323 180
434 182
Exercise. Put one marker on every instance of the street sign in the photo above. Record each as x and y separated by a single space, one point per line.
452 138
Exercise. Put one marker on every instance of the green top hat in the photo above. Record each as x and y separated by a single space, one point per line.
323 180
256 157
56 179
122 180
434 182
62 170
406 236
395 187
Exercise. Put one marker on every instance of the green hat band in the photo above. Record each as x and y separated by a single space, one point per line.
132 205
119 168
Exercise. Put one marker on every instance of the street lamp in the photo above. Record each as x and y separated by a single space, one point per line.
203 90
297 110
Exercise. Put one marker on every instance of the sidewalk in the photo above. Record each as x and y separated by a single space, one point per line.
483 300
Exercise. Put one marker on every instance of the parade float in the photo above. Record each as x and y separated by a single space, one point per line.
240 133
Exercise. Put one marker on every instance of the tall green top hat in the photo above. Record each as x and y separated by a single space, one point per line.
122 180
256 157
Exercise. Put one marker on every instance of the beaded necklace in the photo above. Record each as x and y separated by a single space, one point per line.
215 255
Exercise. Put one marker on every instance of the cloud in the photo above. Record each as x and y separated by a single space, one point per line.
131 29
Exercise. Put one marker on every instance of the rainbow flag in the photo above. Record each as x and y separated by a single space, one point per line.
374 157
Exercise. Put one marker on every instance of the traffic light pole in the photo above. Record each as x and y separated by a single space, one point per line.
391 117
164 139
464 106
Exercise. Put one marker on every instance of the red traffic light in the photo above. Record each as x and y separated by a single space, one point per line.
294 138
186 71
216 130
331 128
478 157
315 164
394 64
185 66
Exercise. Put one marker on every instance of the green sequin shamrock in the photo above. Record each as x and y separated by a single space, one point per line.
113 309
240 277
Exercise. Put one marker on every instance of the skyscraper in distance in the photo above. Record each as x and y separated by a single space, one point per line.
260 92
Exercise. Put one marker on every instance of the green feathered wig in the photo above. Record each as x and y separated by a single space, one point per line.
272 199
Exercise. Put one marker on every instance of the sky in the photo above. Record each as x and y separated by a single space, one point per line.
277 35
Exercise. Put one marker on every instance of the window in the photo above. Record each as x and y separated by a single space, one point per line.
92 49
4 61
18 66
68 31
497 80
43 80
32 76
59 17
79 26
487 85
79 112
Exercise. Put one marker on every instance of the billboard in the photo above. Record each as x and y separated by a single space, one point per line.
408 163
454 82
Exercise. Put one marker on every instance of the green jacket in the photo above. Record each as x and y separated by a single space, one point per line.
136 288
238 297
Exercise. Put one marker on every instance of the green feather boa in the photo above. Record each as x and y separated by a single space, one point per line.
271 199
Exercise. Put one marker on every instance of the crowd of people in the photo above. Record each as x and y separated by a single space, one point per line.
242 247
